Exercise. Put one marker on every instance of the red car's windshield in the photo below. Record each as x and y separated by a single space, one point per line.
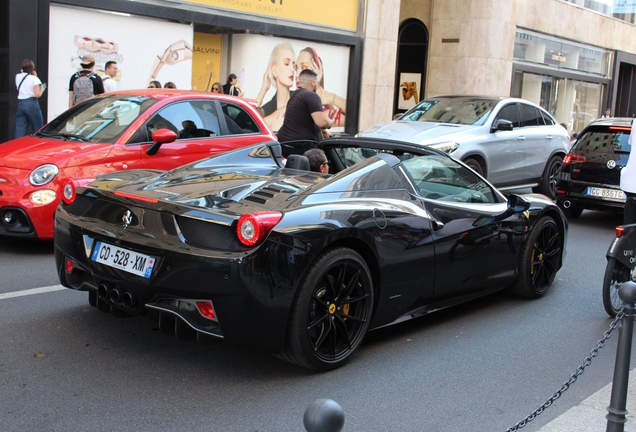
100 120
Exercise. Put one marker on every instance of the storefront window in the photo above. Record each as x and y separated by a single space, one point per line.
624 10
573 103
540 49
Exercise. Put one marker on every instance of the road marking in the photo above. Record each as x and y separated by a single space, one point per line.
31 291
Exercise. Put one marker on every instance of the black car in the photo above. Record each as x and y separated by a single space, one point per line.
591 171
239 247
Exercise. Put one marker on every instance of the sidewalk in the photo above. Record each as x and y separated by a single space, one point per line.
589 415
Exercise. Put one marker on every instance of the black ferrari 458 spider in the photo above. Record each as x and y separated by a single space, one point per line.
240 247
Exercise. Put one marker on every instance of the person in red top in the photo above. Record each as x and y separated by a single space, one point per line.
304 116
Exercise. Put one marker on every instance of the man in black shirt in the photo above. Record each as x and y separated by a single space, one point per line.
304 117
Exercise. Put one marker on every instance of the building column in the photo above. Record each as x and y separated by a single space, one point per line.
377 87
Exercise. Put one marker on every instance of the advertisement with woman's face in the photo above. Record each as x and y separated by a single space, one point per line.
268 67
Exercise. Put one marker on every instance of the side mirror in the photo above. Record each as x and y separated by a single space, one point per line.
398 116
517 204
502 125
159 137
575 135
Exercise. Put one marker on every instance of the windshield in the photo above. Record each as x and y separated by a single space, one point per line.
100 119
466 111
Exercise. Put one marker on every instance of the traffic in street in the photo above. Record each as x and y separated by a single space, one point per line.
480 366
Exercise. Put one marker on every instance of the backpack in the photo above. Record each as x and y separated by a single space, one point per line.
82 87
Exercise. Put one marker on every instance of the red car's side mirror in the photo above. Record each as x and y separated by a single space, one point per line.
164 136
159 137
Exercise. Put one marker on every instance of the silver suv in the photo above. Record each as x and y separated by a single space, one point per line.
512 142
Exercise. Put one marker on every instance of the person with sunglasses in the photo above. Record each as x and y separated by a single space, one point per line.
217 88
318 161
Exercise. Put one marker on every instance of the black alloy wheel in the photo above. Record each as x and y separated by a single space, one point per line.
550 177
615 274
540 259
331 312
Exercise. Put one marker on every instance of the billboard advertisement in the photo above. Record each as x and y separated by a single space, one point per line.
341 14
144 49
267 68
206 61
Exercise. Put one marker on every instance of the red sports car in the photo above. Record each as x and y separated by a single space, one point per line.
114 132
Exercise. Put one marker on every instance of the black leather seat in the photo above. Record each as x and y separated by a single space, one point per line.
298 162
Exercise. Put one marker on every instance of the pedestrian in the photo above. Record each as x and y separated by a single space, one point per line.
30 88
85 83
304 116
628 183
608 113
170 85
318 161
217 87
230 88
154 84
110 72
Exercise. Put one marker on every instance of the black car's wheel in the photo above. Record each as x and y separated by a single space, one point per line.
549 179
615 274
474 165
540 259
331 311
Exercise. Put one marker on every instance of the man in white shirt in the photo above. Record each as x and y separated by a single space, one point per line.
628 182
110 72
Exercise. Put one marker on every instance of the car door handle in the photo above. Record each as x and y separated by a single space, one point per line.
521 138
548 137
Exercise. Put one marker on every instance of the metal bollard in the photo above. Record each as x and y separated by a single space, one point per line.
616 410
323 415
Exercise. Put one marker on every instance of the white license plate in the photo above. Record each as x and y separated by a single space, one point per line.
123 259
612 194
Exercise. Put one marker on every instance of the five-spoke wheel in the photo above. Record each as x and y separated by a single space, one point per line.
331 311
540 259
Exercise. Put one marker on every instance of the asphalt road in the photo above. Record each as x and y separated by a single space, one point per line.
481 366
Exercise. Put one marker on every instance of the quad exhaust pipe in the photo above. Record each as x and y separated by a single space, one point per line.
567 204
108 292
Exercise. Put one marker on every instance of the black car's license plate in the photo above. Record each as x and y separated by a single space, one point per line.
123 259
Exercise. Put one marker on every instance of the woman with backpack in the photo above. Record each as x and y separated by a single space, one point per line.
30 88
85 83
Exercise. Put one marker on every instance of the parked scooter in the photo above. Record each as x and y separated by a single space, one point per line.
621 262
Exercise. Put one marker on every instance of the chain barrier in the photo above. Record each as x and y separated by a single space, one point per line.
588 360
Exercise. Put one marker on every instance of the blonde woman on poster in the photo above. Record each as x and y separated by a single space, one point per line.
280 74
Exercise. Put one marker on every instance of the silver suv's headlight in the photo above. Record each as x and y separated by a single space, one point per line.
43 174
448 147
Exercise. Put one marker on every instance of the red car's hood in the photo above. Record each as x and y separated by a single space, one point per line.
30 152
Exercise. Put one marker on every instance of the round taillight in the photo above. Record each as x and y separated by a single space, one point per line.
68 191
252 228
